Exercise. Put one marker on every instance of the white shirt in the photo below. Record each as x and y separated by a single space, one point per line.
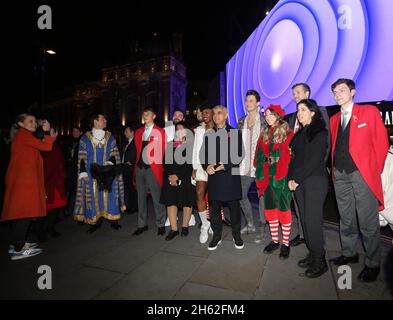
128 144
348 111
198 142
170 132
147 132
98 136
386 216
250 139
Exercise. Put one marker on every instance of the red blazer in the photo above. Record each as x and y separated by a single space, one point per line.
368 145
25 189
157 143
54 178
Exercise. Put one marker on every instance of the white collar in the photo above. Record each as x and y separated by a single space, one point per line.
129 140
98 134
349 109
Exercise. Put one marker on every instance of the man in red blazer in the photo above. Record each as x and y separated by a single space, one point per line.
150 143
359 150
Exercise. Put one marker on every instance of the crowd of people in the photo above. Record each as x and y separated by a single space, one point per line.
207 168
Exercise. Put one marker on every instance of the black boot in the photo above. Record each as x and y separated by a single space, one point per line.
317 267
271 247
184 231
304 263
284 252
172 234
115 225
94 227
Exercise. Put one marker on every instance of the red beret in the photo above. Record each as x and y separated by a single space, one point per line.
276 108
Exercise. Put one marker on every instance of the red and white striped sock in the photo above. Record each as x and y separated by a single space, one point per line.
274 230
286 231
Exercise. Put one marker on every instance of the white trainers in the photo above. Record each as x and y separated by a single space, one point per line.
25 253
204 236
247 229
192 221
28 245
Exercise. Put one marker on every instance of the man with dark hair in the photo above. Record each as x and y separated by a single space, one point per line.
150 143
98 148
128 160
301 91
251 126
360 147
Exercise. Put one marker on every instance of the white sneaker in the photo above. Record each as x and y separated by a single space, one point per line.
28 245
167 223
25 253
204 236
247 229
192 221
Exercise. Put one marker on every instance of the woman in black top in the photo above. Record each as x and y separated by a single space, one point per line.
308 178
178 190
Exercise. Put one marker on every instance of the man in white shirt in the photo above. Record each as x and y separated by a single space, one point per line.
251 126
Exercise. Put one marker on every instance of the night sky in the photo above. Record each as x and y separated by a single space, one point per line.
88 36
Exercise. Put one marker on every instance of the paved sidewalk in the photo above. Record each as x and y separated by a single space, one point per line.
116 265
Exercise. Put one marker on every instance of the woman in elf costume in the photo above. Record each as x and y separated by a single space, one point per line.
272 157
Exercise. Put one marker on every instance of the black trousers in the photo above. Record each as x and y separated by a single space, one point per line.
310 196
130 194
216 221
20 228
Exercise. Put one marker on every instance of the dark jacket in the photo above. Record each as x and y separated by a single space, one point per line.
292 122
308 149
129 158
223 185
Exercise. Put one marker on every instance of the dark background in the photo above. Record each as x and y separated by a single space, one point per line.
90 35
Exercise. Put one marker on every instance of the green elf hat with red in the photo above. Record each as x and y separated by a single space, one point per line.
277 108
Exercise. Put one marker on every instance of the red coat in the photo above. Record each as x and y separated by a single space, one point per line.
368 145
157 143
25 190
54 177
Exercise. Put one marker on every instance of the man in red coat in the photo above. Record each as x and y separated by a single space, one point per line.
359 150
150 143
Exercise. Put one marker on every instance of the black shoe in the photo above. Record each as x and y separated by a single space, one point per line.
296 241
161 231
171 235
239 244
271 247
138 231
317 267
305 263
214 244
184 231
115 225
369 274
342 260
284 252
93 228
227 222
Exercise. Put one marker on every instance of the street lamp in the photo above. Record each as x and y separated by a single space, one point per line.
46 52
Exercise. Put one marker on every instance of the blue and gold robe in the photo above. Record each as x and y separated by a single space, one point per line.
92 204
